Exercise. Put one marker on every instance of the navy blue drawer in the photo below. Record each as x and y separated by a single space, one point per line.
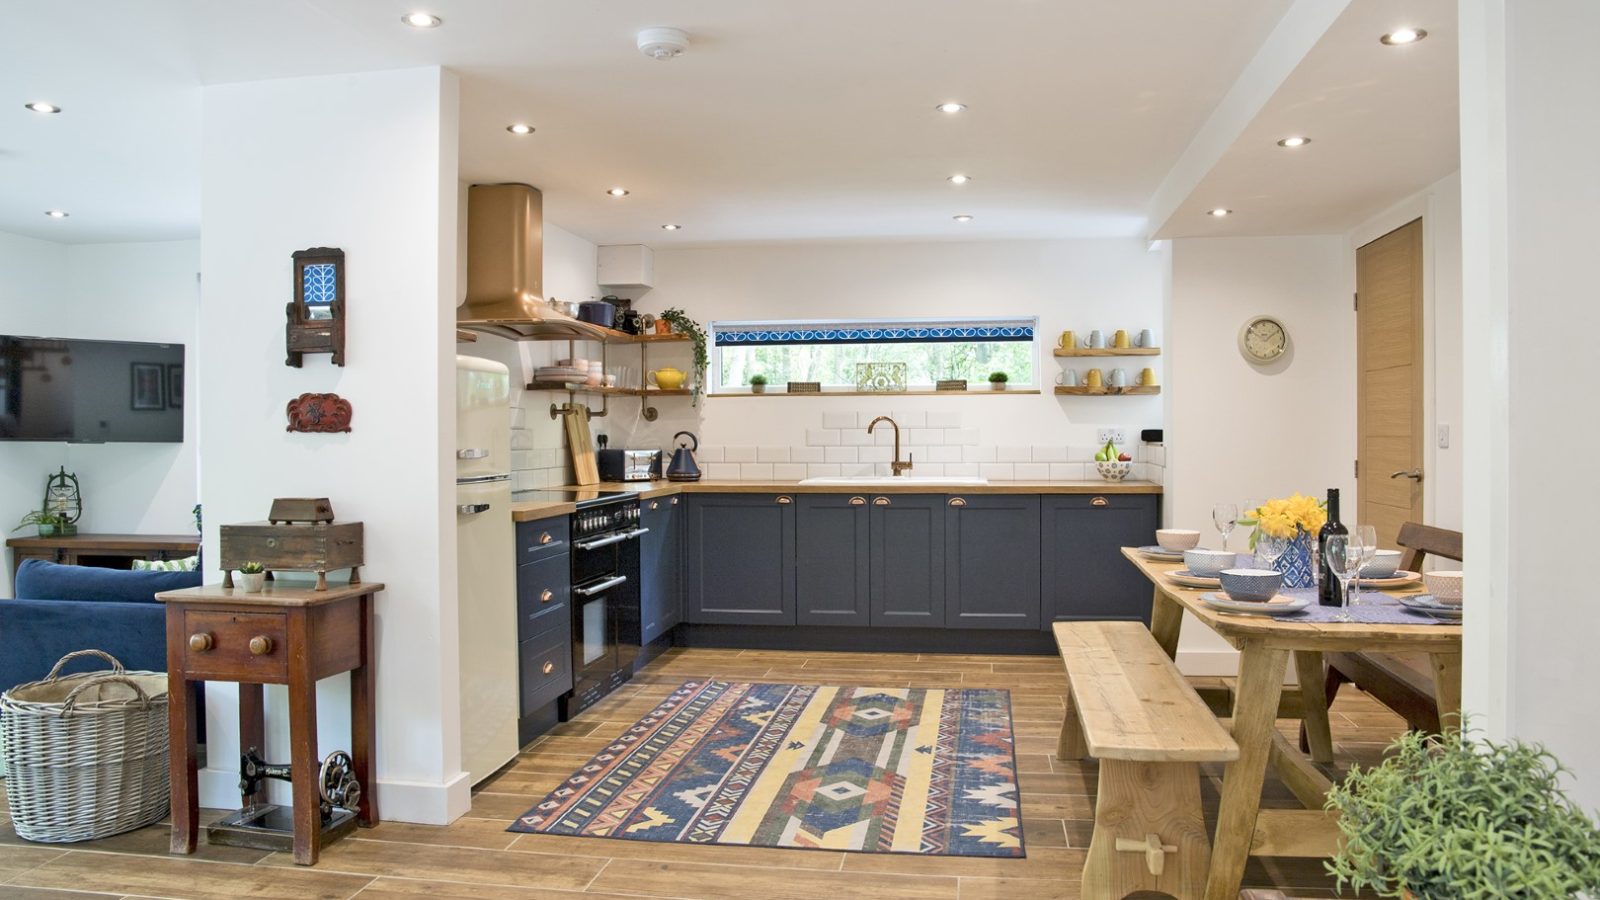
541 540
546 670
543 591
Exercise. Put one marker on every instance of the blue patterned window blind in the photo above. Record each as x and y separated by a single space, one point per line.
909 331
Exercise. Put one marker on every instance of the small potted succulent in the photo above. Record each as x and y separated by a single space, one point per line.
1453 817
49 524
758 384
997 381
253 576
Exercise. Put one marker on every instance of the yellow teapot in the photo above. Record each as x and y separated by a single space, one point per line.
667 379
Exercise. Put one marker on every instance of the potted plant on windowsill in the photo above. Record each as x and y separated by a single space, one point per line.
253 576
758 384
997 381
48 524
1450 817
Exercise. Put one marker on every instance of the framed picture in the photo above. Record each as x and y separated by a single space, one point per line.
148 383
175 386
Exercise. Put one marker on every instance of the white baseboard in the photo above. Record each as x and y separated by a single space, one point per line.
423 803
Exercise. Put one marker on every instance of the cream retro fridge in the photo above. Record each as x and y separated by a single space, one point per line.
486 566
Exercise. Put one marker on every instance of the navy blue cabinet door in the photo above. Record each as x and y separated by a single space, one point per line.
907 537
741 559
660 566
831 550
1085 575
992 561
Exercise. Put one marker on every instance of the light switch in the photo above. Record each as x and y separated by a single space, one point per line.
1444 437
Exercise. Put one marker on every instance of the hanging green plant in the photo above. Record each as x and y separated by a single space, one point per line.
683 324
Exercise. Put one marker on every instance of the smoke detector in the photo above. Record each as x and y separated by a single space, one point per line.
663 43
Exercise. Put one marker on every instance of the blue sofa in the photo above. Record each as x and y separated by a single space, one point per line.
60 609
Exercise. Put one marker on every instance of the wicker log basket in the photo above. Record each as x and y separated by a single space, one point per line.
86 754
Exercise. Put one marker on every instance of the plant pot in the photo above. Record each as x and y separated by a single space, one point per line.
252 582
48 530
997 385
758 389
663 326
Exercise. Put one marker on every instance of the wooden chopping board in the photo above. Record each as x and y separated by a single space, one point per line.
585 468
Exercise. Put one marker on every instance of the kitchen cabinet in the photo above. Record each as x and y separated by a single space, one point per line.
908 581
992 561
544 623
831 551
660 566
1081 537
741 559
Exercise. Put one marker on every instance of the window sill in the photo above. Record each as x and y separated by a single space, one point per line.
970 392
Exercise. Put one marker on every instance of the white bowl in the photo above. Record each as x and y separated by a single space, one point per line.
1209 563
1114 470
1384 564
1176 539
582 365
1444 586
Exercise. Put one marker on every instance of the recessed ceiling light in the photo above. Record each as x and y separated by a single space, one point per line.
618 192
1403 36
671 227
1219 212
42 107
959 179
520 128
56 213
951 107
422 20
962 218
1293 142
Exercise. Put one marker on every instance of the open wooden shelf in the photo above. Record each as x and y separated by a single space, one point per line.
552 326
465 337
1107 351
1107 391
575 388
981 392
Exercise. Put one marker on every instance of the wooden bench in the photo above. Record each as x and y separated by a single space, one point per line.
1129 707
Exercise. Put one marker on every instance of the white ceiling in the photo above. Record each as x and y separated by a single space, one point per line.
1383 123
786 120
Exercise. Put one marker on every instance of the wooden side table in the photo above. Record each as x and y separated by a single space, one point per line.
116 551
283 635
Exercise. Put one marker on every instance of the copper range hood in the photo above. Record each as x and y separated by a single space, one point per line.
505 268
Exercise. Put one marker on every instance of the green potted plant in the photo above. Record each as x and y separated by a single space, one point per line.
758 384
682 324
49 524
253 576
997 381
1451 817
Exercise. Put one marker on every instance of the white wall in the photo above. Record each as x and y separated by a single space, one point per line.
122 292
1530 117
1237 431
1439 207
365 162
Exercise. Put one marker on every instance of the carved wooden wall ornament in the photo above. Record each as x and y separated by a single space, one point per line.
319 413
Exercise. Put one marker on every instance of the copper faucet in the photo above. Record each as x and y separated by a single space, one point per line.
897 466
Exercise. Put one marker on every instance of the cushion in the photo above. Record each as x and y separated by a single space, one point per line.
41 580
187 564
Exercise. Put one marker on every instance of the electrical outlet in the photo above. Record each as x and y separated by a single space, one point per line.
1444 437
1114 435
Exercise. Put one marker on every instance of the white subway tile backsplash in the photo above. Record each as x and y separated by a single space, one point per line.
525 481
977 454
708 455
963 436
822 437
1081 454
856 470
772 454
933 470
961 470
1049 454
788 471
875 454
884 436
822 470
946 454
858 437
840 454
547 457
1013 454
522 459
739 454
928 436
838 420
1066 472
1032 471
944 419
909 419
755 471
805 454
521 440
519 417
998 471
723 471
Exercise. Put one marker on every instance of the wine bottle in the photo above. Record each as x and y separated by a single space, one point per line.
1327 582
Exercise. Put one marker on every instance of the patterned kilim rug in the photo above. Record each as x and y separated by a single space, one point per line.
879 770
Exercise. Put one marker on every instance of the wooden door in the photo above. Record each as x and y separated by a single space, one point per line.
1389 383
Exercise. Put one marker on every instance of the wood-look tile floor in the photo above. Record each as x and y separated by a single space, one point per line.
476 859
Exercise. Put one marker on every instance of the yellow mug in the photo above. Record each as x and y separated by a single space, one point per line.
1148 377
1068 340
1093 379
1120 339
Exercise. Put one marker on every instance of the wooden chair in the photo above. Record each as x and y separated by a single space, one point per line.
1129 707
1401 681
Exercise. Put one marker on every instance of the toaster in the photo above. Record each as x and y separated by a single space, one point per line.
629 465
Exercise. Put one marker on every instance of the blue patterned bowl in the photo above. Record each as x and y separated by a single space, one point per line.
1257 585
1384 564
1209 562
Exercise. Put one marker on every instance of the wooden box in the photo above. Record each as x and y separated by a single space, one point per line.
318 548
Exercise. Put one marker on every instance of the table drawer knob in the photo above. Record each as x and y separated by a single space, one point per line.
546 595
548 667
200 642
260 645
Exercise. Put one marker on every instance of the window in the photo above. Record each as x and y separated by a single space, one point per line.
829 352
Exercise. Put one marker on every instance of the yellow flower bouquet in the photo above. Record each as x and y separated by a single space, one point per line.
1295 519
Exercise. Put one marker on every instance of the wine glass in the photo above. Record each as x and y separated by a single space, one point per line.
1364 540
1270 549
1225 516
1342 556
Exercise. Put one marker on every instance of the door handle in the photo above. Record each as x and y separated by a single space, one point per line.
1413 474
957 501
546 595
785 501
472 453
600 588
858 501
1099 501
472 509
880 501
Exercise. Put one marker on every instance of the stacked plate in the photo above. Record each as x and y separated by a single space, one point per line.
1424 603
1278 606
1186 578
1400 578
559 373
1161 554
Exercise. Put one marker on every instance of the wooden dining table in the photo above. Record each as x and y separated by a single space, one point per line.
1266 647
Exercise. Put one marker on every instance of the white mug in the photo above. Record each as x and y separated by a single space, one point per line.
1068 378
1146 339
1117 378
1095 340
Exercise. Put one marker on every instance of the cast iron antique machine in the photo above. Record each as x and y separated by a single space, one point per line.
268 826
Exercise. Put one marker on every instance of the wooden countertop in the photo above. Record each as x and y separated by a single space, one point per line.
532 510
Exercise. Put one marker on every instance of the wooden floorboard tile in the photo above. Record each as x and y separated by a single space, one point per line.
1058 806
375 858
666 879
484 834
502 807
190 879
1041 862
1060 888
152 839
406 889
1075 782
16 860
614 848
1044 834
13 892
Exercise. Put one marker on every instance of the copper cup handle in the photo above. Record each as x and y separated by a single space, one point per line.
1099 501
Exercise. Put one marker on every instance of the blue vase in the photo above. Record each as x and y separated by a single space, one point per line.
1295 563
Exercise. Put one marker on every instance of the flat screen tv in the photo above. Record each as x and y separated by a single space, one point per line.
90 392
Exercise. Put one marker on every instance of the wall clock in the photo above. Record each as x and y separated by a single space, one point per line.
1262 340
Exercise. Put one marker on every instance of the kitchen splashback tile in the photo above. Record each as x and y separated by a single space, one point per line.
709 454
927 436
1032 471
841 454
806 454
962 436
1067 471
944 419
961 470
838 420
822 470
547 457
977 454
739 454
1049 454
772 454
998 471
910 419
944 454
1081 454
858 437
822 437
522 459
755 471
519 417
884 436
1013 454
875 454
723 471
857 470
521 440
788 471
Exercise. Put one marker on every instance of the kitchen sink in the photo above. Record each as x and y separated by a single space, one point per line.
928 480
